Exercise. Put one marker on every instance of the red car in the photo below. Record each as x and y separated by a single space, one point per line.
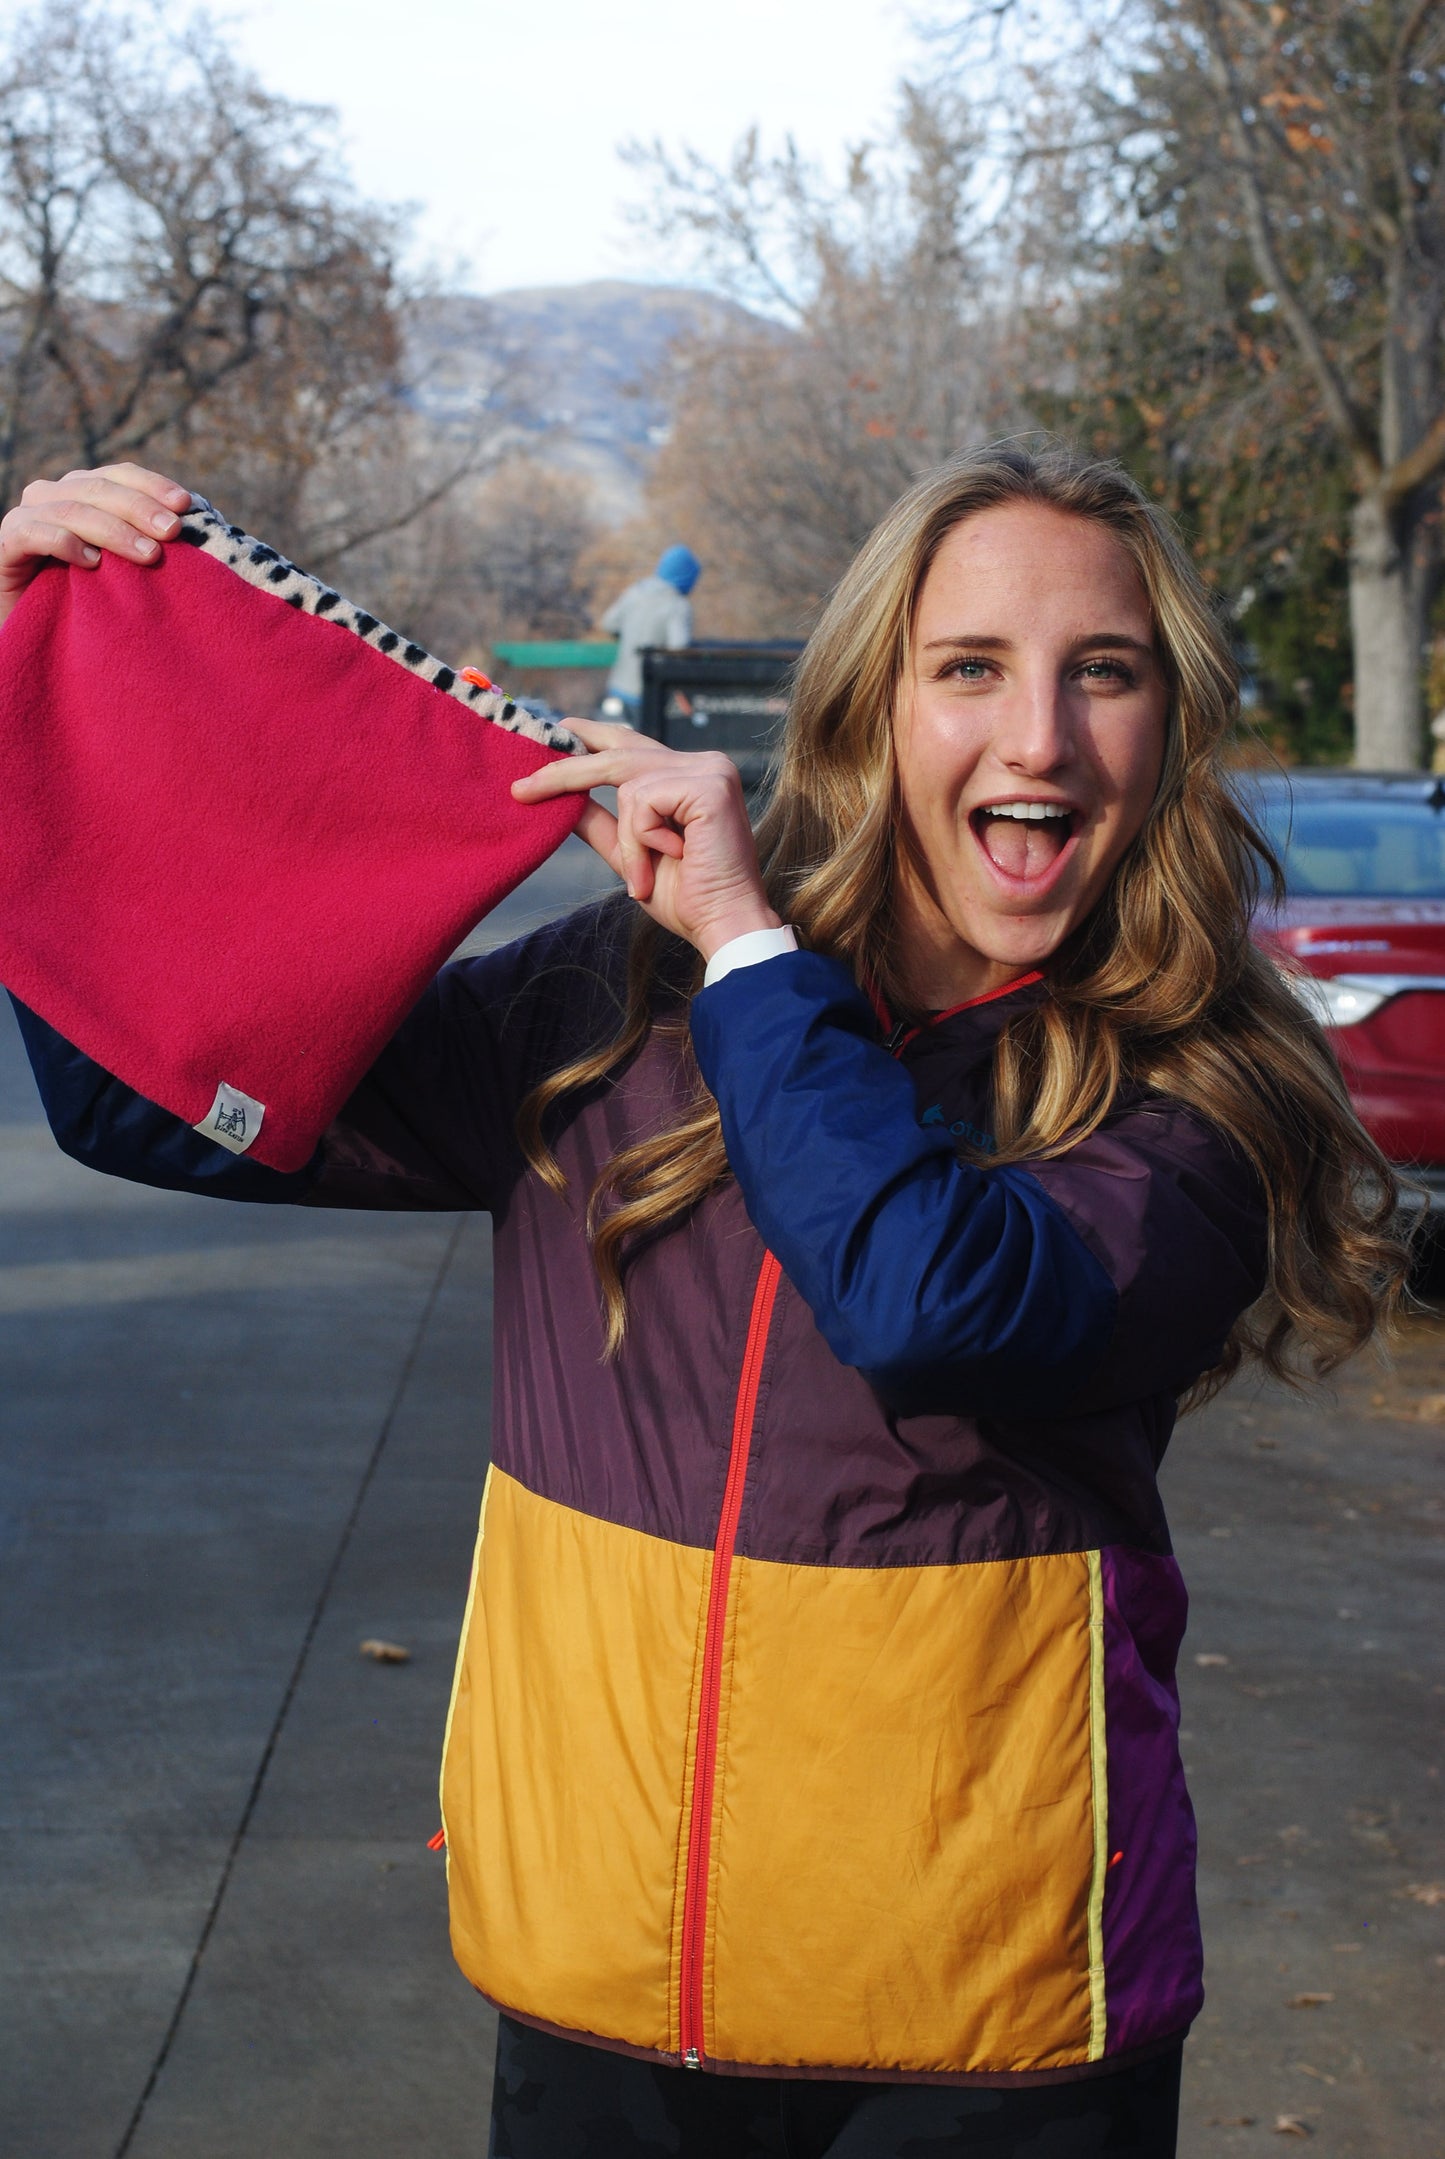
1363 925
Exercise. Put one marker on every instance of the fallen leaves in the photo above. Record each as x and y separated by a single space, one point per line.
1291 2125
1405 1408
1309 2001
1430 1893
1207 1657
384 1652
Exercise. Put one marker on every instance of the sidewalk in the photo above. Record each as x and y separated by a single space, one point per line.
234 1442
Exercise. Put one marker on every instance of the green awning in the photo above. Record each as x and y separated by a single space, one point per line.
557 652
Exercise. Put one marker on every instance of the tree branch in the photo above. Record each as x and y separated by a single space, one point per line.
1399 140
475 462
1344 414
1425 462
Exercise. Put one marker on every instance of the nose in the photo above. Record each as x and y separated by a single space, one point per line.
1036 732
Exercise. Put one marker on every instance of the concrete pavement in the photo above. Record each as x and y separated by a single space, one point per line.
1313 1688
234 1442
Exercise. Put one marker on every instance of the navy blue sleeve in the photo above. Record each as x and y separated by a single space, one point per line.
431 1126
107 1126
948 1286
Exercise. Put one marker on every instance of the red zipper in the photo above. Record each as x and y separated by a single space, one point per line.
704 1768
898 1039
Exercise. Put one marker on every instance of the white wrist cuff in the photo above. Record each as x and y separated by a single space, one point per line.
747 950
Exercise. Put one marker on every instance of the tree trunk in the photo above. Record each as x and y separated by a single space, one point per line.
1387 625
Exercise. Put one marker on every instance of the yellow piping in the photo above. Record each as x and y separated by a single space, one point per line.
461 1659
1099 1776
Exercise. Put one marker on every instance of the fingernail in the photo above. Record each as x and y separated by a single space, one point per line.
180 498
162 521
90 554
145 547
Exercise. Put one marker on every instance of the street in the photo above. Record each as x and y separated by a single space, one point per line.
235 1442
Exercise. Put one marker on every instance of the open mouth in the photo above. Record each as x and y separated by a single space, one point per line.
1024 840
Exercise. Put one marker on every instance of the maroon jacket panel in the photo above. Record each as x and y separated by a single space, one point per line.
837 1476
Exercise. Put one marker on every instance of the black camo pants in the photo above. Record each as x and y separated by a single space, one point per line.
557 2099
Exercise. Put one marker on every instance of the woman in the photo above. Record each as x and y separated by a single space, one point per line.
866 1199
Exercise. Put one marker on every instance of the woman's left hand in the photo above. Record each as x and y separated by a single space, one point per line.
680 841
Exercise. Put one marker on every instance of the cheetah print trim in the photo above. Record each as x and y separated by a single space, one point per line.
261 566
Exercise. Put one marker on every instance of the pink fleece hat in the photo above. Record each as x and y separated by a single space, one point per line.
243 825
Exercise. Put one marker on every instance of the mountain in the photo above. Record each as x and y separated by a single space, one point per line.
590 364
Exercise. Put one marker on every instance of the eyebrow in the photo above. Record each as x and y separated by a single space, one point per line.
1099 641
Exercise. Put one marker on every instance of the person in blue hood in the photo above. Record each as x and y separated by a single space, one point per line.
654 611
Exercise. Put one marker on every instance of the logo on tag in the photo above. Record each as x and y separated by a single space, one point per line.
233 1119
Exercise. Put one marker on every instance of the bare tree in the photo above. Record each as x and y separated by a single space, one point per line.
502 556
1306 142
878 350
1336 149
186 280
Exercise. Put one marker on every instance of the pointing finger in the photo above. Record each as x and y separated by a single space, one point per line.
565 776
633 859
598 827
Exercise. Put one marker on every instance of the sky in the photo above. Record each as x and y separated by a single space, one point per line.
502 122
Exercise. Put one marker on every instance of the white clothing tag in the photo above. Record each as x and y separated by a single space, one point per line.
233 1119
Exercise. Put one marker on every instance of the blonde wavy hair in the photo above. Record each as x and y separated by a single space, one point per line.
1161 987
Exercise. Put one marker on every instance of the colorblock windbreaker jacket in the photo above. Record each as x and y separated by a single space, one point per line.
815 1710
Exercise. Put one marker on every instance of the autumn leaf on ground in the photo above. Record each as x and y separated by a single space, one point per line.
1309 2001
1207 1657
1290 2125
385 1652
1431 1893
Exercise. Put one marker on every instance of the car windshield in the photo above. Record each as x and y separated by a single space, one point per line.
1347 848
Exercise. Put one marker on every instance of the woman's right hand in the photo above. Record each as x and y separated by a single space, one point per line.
120 509
681 840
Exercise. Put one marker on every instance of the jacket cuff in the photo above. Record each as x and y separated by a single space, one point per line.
748 950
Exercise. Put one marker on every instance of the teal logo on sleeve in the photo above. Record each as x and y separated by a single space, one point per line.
960 1129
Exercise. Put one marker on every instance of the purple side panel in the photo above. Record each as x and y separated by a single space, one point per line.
1153 1958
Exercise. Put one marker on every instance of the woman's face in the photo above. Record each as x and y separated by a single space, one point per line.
1030 735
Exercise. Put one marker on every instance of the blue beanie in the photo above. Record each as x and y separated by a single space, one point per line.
679 567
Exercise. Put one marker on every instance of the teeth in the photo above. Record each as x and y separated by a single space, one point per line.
1027 812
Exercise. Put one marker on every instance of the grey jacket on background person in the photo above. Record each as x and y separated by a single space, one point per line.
654 611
